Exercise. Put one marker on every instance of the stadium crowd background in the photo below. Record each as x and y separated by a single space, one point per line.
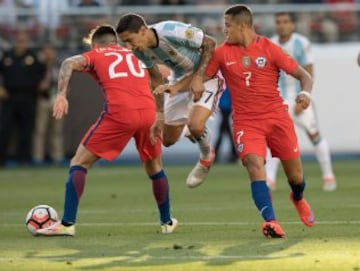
63 23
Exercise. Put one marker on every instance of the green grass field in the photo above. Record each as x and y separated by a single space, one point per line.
219 226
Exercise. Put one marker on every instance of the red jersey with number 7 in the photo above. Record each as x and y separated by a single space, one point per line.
125 82
251 75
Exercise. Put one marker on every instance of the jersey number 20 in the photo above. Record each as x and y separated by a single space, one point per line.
113 73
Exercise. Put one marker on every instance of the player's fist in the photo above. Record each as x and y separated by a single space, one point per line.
303 99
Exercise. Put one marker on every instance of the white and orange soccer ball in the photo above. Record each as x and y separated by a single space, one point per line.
41 216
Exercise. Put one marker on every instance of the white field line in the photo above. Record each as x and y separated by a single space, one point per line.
145 224
131 258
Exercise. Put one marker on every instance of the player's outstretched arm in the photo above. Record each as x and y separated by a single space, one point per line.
207 50
74 63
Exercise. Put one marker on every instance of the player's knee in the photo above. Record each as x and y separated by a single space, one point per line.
167 142
315 138
196 130
295 177
255 166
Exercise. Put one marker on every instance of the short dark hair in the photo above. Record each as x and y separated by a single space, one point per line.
97 33
243 12
130 22
283 13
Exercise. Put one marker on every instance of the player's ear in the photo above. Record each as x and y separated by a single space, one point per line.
142 30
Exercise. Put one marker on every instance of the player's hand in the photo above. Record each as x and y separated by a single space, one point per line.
61 106
298 109
197 87
303 100
164 88
156 131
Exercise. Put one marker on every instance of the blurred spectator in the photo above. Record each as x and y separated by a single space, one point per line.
305 1
212 27
346 20
49 17
211 2
134 2
173 2
7 18
21 72
87 22
89 3
48 130
225 128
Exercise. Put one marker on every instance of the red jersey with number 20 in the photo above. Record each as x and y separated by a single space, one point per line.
124 81
251 75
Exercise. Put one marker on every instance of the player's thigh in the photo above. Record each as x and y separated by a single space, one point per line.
307 120
249 138
172 133
146 149
109 135
198 117
282 139
212 94
176 108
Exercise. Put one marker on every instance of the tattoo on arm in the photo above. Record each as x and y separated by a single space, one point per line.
75 63
207 48
156 80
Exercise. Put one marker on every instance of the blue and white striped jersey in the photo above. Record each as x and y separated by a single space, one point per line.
178 47
299 47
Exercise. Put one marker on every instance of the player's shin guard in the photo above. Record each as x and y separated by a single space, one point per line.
74 188
160 188
298 190
262 199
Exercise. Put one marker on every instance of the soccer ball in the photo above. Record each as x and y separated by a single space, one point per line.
41 216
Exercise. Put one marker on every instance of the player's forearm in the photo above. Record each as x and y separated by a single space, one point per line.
207 48
309 68
306 81
64 78
159 101
155 76
68 66
183 84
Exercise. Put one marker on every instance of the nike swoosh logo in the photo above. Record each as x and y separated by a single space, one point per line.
263 209
311 218
230 63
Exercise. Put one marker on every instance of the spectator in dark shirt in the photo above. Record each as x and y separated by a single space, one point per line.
21 73
89 3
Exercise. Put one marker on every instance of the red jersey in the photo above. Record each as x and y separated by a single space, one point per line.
251 75
124 81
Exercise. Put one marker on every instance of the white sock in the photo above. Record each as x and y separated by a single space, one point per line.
322 152
204 145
